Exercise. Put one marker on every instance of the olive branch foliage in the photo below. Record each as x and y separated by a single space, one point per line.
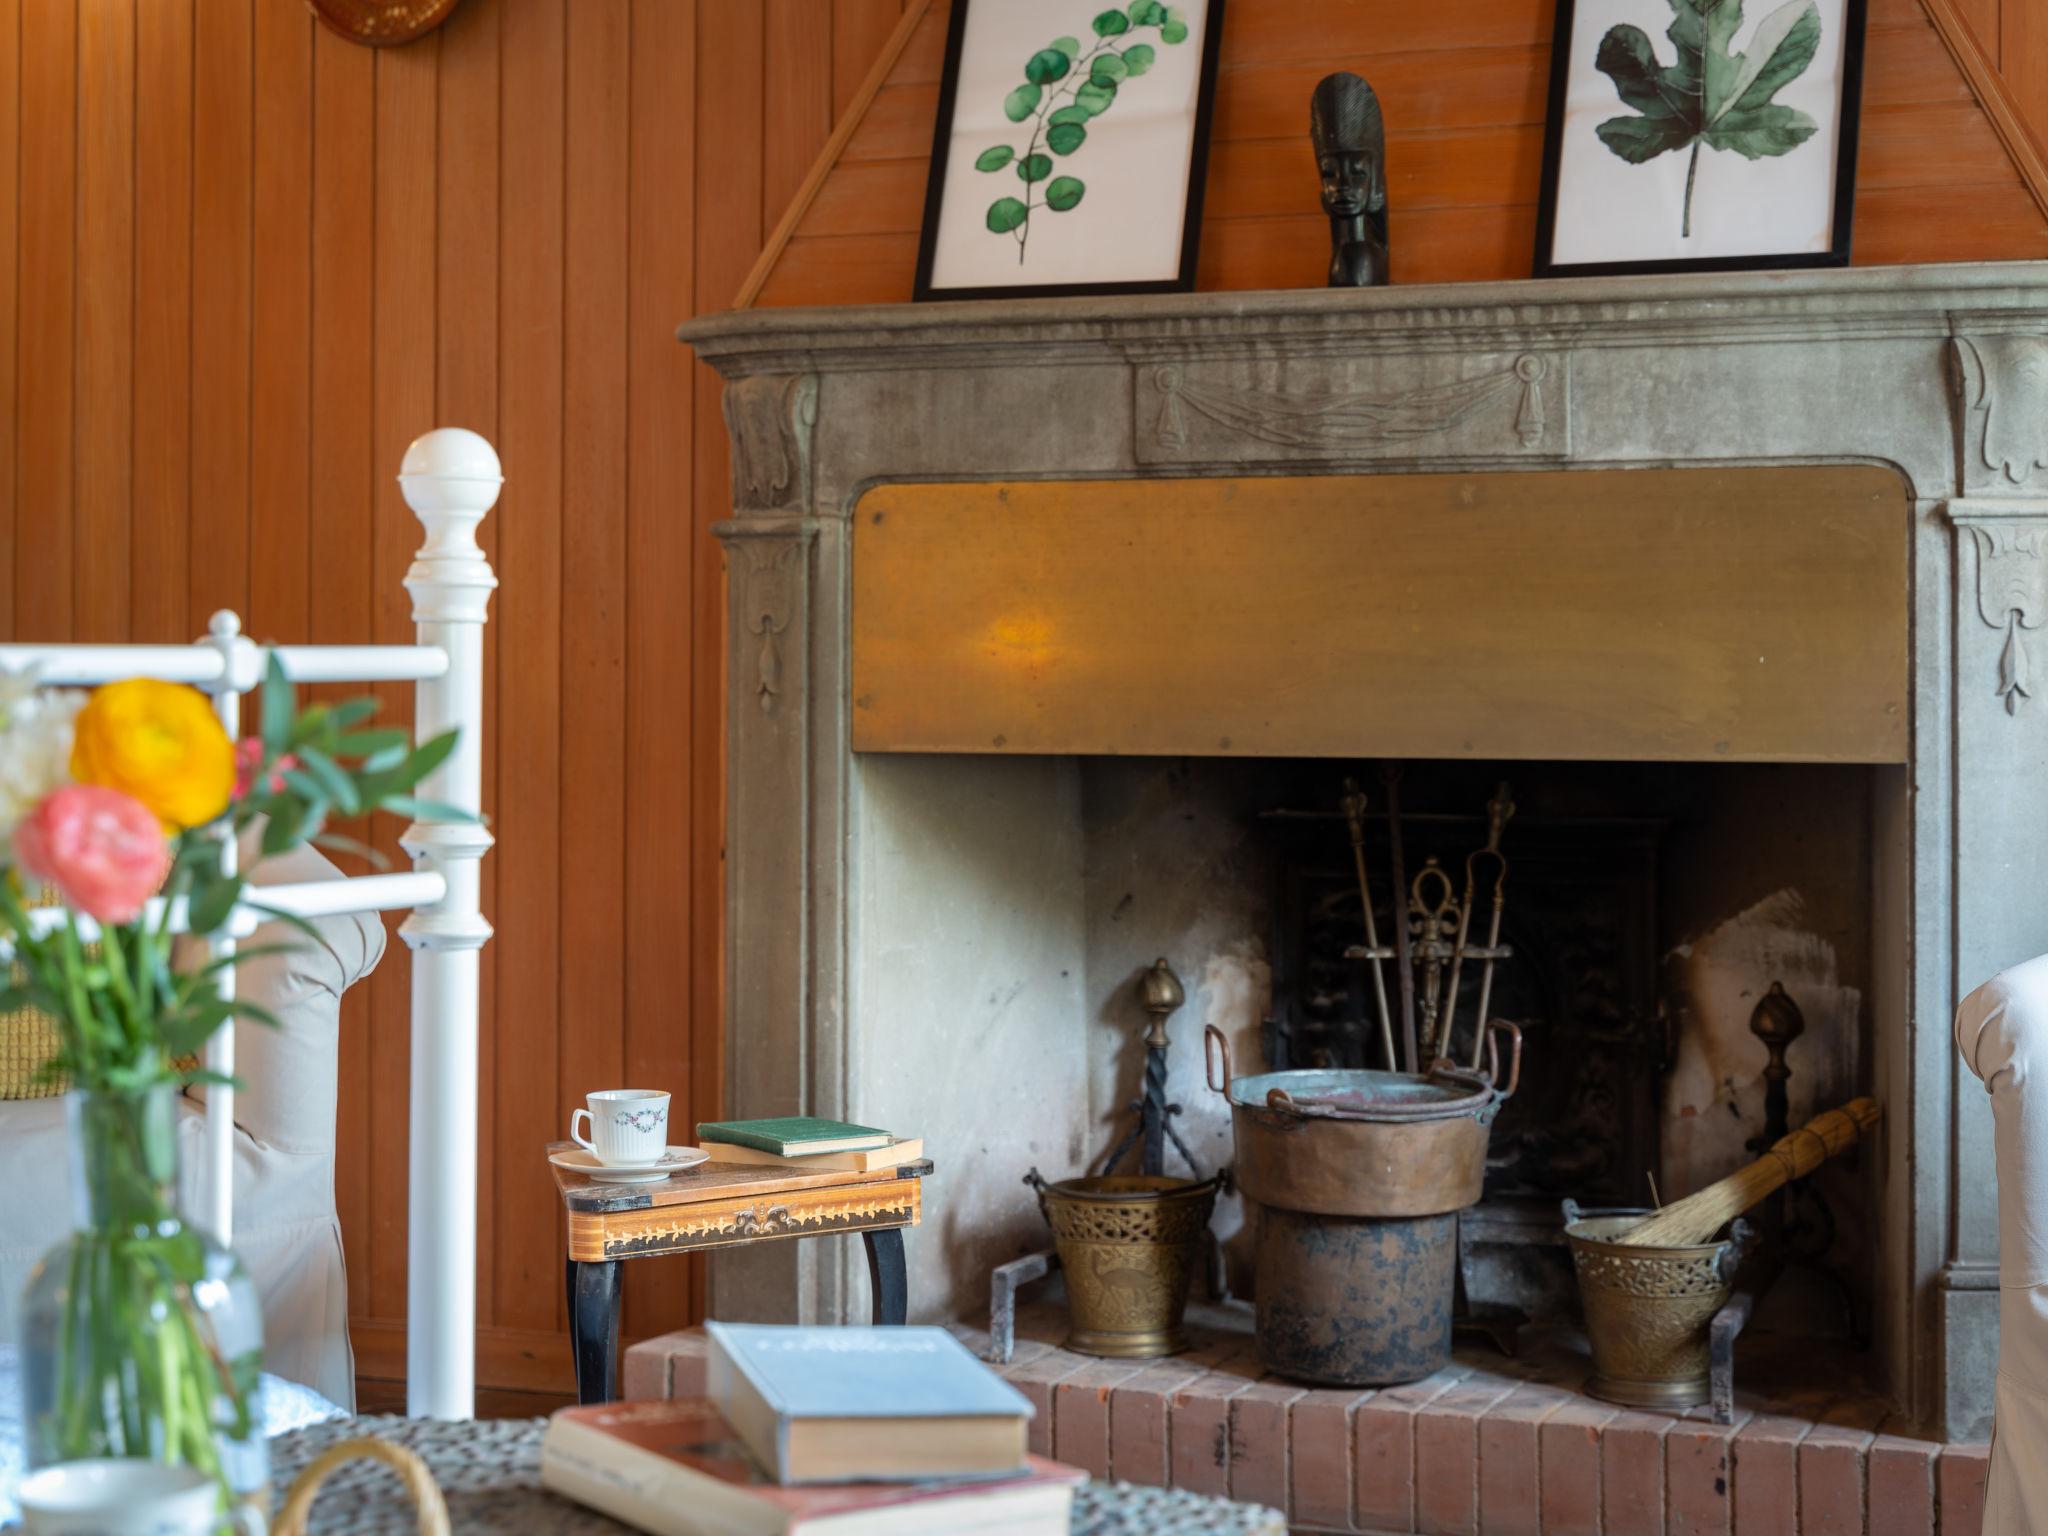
1064 91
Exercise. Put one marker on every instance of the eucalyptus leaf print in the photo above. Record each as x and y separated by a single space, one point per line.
1065 87
1710 95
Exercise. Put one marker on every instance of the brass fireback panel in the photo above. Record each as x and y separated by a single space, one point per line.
1732 615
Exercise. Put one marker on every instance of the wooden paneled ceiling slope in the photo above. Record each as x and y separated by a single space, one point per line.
1951 168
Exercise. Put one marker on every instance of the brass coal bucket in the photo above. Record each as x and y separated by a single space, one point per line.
1129 1248
1648 1309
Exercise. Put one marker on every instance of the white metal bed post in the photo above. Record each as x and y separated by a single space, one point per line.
238 675
450 479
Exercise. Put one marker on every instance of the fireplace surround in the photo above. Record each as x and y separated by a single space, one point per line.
859 986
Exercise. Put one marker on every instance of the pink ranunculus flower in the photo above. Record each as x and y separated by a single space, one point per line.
104 851
249 758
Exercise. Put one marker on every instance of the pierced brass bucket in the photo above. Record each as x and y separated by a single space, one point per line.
1648 1309
1129 1248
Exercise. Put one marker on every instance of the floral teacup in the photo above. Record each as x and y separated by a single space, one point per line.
628 1126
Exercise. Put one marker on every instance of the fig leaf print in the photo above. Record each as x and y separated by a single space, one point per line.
1066 85
1711 94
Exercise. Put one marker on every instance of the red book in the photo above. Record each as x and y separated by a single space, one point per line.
675 1468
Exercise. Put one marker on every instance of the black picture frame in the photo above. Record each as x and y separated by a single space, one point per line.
922 290
1849 105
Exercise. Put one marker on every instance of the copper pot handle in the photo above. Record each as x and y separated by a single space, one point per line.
1514 1032
1212 1035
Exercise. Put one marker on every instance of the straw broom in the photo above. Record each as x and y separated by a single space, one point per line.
1697 1217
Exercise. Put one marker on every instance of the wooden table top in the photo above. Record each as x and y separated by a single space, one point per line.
708 1181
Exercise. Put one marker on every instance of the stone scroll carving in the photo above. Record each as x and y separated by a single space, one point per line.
1196 411
767 589
770 417
2012 592
2000 375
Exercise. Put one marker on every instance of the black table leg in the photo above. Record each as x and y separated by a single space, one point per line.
886 1277
594 1328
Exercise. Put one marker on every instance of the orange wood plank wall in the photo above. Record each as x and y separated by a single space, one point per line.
1464 85
243 262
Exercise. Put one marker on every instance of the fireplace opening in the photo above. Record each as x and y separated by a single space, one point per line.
1650 908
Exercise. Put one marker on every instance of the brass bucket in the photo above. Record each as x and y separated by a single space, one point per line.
1648 1309
1129 1248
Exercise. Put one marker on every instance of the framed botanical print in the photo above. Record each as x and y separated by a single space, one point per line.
1071 147
1685 136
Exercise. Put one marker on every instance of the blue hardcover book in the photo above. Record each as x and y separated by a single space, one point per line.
848 1405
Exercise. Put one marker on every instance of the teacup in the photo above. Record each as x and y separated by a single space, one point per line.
628 1126
110 1497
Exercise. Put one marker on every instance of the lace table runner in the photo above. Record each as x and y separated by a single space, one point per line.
490 1472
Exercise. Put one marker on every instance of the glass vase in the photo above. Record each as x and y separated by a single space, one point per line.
140 1334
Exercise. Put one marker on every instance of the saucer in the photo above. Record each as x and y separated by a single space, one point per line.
674 1160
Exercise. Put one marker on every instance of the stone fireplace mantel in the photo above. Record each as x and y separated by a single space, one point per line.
1939 373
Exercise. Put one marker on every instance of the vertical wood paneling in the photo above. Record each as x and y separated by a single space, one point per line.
280 346
222 149
592 999
339 496
262 259
403 344
10 270
526 626
105 339
661 261
466 380
45 351
796 117
160 522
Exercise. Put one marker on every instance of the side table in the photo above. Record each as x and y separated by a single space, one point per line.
712 1206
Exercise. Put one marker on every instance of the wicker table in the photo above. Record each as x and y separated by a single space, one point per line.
490 1471
719 1205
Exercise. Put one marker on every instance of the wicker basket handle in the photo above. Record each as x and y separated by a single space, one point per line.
419 1483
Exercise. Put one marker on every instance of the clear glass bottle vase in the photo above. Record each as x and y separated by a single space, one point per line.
140 1334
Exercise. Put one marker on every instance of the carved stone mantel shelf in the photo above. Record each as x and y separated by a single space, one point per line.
1940 373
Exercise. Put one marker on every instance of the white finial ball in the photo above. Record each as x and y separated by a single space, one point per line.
450 469
224 625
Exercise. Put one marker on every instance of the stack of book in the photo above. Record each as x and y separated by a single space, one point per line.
818 1432
802 1142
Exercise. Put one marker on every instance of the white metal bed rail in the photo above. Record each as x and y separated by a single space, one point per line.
450 479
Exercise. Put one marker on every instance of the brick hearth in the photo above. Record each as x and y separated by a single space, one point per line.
1487 1447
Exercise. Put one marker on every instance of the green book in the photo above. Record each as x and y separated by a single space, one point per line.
794 1136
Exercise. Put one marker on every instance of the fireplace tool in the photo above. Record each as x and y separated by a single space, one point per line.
1128 1244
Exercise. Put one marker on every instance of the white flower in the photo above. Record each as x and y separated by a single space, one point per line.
35 747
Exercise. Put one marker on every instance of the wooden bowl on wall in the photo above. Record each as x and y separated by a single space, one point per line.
382 23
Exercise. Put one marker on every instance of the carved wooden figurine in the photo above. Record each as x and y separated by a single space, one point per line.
1351 157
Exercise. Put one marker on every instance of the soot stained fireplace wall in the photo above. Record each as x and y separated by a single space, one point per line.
855 986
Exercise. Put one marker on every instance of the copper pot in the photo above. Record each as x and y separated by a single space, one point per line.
1355 1143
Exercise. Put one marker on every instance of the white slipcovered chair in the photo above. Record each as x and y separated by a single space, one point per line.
2002 1032
286 1228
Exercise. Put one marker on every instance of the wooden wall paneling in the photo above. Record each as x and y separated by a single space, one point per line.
660 438
1983 18
223 151
10 271
526 624
280 325
340 496
592 997
160 521
859 30
728 237
44 352
466 385
404 342
105 342
796 113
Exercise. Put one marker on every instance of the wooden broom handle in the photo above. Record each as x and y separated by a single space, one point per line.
419 1484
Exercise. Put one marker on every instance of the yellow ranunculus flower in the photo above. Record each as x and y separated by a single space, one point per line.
159 742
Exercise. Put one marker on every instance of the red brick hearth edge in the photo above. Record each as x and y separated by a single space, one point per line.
1469 1452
